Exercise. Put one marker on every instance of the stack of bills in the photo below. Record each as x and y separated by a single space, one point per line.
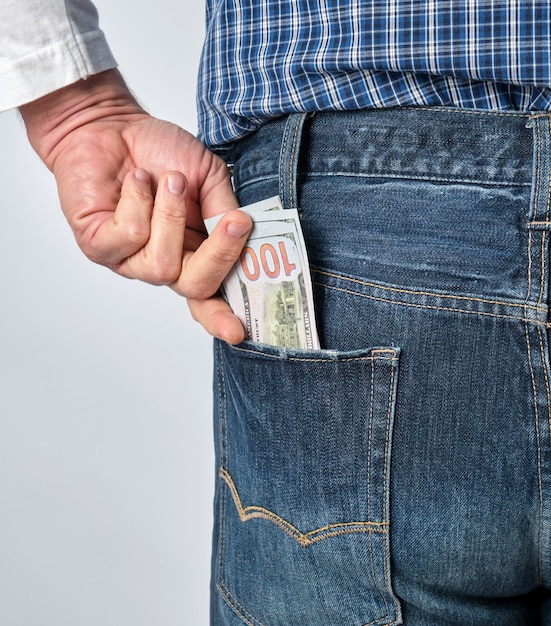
269 288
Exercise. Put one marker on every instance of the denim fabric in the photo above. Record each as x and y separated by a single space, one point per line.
402 473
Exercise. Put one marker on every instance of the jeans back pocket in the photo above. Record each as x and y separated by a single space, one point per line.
303 454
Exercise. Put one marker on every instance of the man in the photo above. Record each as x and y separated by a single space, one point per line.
401 473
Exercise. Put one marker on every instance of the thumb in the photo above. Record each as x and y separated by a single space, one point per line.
220 198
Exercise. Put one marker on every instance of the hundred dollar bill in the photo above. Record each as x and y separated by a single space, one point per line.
269 288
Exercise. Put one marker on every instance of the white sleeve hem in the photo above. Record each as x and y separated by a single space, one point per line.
65 62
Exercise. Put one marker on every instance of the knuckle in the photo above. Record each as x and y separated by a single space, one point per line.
92 250
225 256
162 272
195 290
174 215
133 232
137 187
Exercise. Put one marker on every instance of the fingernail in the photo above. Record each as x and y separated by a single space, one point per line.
176 184
237 230
141 175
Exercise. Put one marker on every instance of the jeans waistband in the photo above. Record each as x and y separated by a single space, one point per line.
447 144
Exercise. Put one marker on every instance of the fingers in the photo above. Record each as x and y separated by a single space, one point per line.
161 260
158 260
217 319
112 237
149 233
204 270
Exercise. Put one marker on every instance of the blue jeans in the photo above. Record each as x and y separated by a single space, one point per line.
402 474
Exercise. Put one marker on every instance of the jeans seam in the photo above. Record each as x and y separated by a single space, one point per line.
404 175
529 270
484 112
538 446
548 181
223 451
237 607
371 557
371 403
437 308
386 555
542 270
534 210
385 467
546 377
542 350
522 305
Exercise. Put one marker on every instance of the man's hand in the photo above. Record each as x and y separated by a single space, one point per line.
135 190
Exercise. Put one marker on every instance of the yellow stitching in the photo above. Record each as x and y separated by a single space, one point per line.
529 266
548 182
542 286
388 417
387 434
383 351
421 293
435 308
538 170
304 539
371 403
538 439
371 395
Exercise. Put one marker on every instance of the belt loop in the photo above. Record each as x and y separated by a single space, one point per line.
541 193
288 159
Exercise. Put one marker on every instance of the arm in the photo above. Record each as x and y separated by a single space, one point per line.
135 189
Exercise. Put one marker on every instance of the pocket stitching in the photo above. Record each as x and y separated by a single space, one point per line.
304 539
250 512
388 354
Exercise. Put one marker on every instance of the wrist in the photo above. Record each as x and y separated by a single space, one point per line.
52 118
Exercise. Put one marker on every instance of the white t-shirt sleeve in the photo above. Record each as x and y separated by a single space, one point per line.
46 45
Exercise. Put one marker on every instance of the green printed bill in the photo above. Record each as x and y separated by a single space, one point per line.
270 288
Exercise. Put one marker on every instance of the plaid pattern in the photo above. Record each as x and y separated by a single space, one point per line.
264 58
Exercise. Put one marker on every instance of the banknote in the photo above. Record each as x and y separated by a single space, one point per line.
270 288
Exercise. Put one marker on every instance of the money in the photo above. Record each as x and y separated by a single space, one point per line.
270 288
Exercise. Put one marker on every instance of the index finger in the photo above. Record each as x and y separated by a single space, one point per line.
204 270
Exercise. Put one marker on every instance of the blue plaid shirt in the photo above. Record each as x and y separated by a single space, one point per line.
264 58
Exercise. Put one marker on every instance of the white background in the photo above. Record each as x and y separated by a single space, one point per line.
106 464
